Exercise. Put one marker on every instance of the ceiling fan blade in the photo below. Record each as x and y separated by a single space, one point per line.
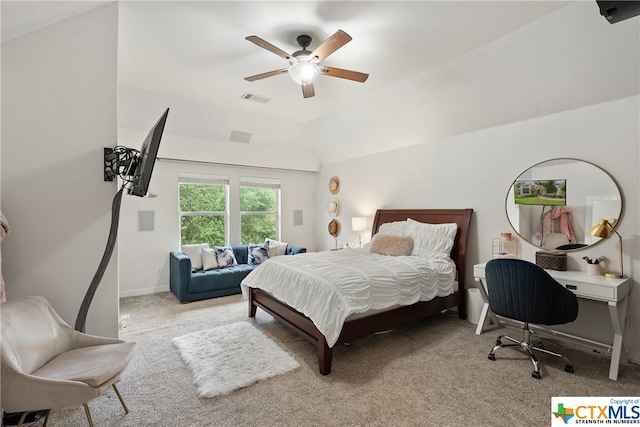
307 90
344 74
330 45
265 75
266 45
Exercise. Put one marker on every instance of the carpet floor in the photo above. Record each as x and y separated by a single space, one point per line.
431 372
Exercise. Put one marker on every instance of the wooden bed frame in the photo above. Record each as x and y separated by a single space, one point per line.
385 320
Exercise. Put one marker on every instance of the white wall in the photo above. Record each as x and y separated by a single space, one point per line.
144 254
58 112
476 170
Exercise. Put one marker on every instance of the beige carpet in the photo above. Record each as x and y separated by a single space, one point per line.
433 372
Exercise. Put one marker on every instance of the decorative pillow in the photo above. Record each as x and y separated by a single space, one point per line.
225 257
194 252
275 248
209 259
431 240
395 228
258 253
387 244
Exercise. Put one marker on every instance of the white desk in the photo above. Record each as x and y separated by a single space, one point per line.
613 292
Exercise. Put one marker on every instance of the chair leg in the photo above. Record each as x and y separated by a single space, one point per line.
22 418
526 345
86 411
126 410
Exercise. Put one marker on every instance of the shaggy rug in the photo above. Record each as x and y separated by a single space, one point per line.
229 357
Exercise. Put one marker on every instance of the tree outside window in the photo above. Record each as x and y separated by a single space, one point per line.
203 213
259 210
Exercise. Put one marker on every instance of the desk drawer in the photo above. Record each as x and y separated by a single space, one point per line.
590 290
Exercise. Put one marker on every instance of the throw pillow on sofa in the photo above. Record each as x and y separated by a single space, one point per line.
225 256
275 248
209 259
194 252
258 253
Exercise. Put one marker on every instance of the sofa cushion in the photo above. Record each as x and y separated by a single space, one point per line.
221 278
275 248
225 256
257 254
209 259
194 252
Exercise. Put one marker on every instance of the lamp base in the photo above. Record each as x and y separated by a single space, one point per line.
614 276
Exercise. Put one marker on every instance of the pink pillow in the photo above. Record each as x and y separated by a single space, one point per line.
386 244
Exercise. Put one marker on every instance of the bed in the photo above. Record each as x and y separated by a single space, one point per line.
375 320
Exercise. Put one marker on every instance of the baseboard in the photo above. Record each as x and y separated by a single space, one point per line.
144 291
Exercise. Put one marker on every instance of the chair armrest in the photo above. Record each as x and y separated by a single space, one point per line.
293 249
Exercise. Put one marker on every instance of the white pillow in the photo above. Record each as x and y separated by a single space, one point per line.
395 228
194 252
209 259
275 248
431 240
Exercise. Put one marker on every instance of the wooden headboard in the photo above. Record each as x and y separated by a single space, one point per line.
462 217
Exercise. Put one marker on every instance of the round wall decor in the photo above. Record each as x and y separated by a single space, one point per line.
333 207
334 185
334 227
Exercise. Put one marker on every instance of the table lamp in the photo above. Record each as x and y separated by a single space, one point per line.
360 224
603 230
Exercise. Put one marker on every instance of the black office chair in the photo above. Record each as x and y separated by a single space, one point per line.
523 291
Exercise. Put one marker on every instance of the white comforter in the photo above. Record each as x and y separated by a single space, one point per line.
330 286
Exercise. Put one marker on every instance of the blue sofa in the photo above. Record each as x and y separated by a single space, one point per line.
188 285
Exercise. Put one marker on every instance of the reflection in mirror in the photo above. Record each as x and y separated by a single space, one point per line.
553 204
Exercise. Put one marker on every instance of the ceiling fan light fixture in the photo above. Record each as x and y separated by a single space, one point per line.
304 72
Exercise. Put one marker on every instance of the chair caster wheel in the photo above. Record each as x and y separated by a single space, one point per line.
569 369
491 356
536 375
538 344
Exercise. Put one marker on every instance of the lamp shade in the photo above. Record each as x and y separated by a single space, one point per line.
602 229
360 223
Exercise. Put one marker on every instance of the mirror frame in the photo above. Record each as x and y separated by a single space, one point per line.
510 194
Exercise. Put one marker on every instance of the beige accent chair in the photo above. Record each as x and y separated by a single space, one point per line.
48 365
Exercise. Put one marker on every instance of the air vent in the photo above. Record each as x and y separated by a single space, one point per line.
239 136
256 98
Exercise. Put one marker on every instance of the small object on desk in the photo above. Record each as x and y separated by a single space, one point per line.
504 246
550 260
594 270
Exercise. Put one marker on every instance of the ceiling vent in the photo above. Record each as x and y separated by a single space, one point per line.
239 136
256 98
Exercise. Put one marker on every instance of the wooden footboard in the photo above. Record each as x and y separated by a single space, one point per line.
352 329
384 320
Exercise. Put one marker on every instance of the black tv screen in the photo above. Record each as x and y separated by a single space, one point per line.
143 167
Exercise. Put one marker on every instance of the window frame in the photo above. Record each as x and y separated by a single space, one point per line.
205 180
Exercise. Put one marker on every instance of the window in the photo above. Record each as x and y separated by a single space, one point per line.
203 210
259 210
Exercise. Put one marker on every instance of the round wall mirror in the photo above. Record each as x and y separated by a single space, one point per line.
553 204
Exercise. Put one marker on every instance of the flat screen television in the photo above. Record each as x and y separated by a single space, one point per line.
541 192
142 168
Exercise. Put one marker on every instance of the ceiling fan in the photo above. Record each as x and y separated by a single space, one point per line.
304 65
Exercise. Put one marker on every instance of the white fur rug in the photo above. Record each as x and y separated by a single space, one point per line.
229 357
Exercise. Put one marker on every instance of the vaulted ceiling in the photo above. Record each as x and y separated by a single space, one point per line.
437 68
